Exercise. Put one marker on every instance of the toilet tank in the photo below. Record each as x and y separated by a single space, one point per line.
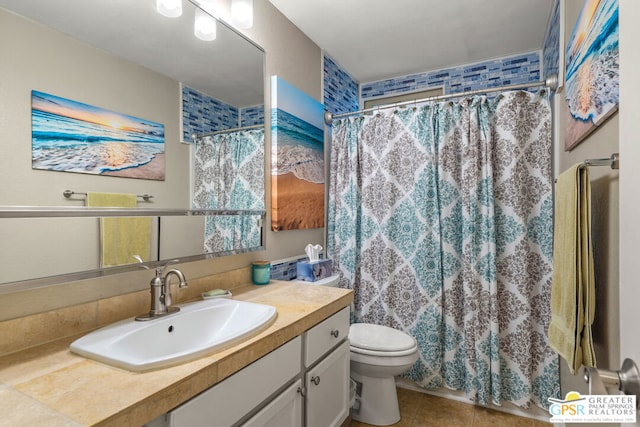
331 281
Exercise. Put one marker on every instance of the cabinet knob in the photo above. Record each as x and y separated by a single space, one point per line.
301 391
315 380
335 333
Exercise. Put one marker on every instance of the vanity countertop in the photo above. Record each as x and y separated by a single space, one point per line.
48 385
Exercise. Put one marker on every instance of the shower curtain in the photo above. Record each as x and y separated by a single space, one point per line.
229 174
440 220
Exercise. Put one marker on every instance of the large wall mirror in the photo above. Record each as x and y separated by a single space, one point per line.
122 56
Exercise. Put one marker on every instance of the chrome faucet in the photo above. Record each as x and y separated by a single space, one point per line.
161 294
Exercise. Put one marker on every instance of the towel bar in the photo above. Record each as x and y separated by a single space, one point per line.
613 161
69 193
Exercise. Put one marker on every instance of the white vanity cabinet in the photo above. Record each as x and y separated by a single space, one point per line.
305 382
226 403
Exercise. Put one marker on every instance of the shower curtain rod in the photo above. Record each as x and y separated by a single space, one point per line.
202 135
550 82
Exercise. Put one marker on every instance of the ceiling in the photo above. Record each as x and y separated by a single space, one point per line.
378 39
228 68
371 39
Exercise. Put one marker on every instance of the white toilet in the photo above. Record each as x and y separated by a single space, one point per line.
378 354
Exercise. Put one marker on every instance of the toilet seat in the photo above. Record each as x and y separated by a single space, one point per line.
379 340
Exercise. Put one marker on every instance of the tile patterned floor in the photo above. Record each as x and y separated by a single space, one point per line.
424 410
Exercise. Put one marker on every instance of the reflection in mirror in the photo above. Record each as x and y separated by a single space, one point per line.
183 235
50 246
228 174
180 236
125 57
121 240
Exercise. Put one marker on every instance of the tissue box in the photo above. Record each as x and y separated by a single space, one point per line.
312 271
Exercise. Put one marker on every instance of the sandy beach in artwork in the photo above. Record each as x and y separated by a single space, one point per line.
155 169
301 203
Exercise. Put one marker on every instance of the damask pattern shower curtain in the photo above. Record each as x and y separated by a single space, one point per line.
440 220
229 174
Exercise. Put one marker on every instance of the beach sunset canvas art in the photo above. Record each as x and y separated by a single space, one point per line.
592 70
70 136
297 152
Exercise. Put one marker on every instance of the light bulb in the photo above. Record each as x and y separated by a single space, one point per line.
169 8
204 26
242 13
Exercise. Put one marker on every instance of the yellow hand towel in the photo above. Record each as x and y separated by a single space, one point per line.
121 238
573 288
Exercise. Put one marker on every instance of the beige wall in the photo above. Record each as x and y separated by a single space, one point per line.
41 59
605 207
629 182
293 56
288 53
38 58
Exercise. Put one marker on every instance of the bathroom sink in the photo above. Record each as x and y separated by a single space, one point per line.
197 329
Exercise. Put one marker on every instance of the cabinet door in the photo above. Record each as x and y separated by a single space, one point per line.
327 387
283 411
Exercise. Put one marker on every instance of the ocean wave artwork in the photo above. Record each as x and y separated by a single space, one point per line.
70 136
592 91
297 169
299 149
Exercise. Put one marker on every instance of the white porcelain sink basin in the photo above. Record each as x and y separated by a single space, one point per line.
197 329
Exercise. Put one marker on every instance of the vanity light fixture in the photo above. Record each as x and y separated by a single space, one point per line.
169 8
242 13
204 26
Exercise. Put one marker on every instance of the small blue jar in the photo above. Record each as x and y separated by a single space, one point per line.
261 272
